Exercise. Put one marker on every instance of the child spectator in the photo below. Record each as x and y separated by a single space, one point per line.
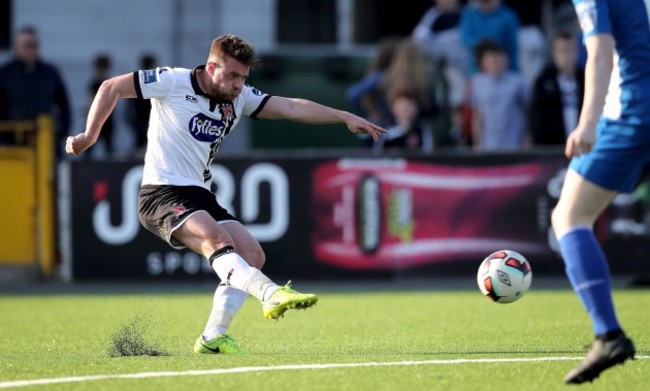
410 131
498 99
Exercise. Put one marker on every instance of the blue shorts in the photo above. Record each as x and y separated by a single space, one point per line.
619 157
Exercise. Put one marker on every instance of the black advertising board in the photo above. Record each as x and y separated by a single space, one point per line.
341 217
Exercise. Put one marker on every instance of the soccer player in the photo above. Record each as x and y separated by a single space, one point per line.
610 147
192 111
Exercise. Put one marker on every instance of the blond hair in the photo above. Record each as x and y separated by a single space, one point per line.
410 74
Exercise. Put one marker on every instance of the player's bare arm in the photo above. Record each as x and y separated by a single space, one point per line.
309 112
103 105
598 70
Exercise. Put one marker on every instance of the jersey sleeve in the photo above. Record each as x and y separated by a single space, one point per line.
593 16
154 83
254 101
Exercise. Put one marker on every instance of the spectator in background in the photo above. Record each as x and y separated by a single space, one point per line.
533 51
412 74
30 87
489 19
365 96
101 72
557 94
138 110
498 100
563 18
438 32
410 131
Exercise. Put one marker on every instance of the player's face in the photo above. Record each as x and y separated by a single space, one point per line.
228 78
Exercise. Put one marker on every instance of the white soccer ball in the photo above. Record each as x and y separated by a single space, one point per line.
504 276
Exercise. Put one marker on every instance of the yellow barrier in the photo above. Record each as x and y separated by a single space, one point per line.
27 226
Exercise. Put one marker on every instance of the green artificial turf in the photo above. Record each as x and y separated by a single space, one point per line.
62 336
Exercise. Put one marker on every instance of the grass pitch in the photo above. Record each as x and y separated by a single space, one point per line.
383 340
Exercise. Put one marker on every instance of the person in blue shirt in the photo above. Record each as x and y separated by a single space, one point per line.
490 20
610 149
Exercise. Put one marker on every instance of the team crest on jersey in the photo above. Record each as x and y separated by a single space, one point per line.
204 128
227 112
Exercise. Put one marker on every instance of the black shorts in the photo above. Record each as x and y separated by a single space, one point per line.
164 208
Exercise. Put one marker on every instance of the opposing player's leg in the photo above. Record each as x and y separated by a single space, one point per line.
203 234
581 202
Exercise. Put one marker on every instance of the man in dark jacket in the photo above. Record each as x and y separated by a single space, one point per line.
29 87
557 94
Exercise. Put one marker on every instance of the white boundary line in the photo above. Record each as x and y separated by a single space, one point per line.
209 372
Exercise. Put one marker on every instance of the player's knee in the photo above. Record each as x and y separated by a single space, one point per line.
555 218
564 218
255 257
558 220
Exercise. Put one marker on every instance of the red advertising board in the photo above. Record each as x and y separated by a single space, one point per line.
398 214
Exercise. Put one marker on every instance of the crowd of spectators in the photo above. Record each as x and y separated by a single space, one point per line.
31 86
486 75
501 78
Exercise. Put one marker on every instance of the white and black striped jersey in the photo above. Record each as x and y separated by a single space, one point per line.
186 126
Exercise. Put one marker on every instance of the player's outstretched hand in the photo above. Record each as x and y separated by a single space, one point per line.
580 141
358 125
74 145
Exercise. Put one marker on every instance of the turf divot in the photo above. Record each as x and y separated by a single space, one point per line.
129 340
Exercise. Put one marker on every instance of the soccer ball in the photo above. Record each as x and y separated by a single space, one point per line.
504 276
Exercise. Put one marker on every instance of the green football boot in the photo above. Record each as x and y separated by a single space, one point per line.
284 299
223 344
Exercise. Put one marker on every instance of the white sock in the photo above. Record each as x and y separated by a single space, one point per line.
227 301
235 272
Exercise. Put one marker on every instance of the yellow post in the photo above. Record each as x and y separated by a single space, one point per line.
18 200
45 188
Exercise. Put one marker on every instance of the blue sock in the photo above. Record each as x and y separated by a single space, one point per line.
586 267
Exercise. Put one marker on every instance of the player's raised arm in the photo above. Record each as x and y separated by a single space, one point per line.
309 112
109 92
